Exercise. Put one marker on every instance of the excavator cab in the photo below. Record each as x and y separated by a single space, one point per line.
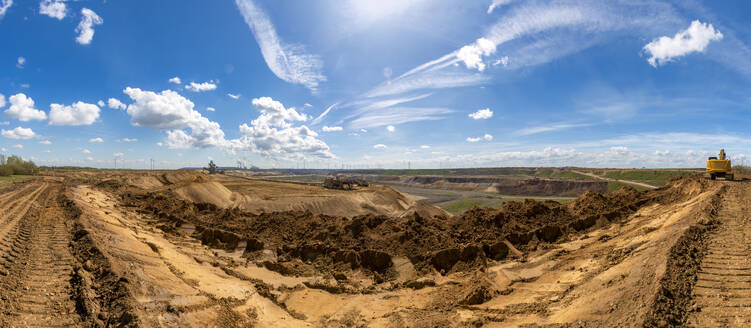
719 167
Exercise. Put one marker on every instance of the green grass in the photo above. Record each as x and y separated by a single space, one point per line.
615 185
466 204
9 180
653 177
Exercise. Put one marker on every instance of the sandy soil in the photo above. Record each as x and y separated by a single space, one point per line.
94 250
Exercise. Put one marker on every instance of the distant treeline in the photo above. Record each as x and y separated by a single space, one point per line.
16 165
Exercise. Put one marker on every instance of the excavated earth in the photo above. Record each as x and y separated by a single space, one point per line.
129 250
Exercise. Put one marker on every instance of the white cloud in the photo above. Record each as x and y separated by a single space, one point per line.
20 62
79 113
486 137
48 151
398 115
391 128
363 130
307 105
4 5
380 146
482 114
272 135
320 117
200 87
45 142
175 80
3 149
115 104
170 111
92 140
86 151
22 108
85 28
17 146
211 109
288 62
2 100
472 54
331 128
497 4
233 96
53 8
100 103
695 38
424 147
18 133
120 155
501 61
548 128
89 158
128 140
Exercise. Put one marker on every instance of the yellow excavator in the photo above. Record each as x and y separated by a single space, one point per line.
719 167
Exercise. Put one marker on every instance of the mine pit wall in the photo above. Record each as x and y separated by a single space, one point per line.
504 186
673 298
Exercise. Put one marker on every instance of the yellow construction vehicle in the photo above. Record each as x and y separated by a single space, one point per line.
719 167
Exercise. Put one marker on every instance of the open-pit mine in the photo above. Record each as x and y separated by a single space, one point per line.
187 249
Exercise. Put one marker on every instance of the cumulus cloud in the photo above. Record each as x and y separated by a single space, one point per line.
170 111
391 128
482 114
695 38
233 96
53 8
20 62
119 155
85 28
128 140
424 147
22 108
86 151
175 80
200 87
290 63
17 146
18 133
471 55
331 128
501 61
93 140
2 100
380 146
100 103
79 113
211 109
486 137
4 5
45 142
273 135
115 104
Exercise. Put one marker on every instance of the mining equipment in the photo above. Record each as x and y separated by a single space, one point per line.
344 183
719 167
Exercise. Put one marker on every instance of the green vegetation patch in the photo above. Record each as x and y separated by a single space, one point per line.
9 180
466 204
560 174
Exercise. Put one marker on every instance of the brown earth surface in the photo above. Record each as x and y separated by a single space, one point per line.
140 250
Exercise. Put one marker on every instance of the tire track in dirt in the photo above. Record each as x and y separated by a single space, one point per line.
722 293
36 286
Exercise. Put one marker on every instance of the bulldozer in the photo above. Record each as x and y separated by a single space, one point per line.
719 167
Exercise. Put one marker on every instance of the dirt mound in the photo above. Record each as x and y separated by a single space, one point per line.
431 240
504 185
206 192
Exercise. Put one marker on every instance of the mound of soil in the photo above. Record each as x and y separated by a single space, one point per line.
332 243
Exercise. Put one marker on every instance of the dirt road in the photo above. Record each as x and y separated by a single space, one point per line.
723 289
36 264
635 183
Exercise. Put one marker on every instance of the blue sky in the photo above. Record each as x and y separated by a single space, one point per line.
385 83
